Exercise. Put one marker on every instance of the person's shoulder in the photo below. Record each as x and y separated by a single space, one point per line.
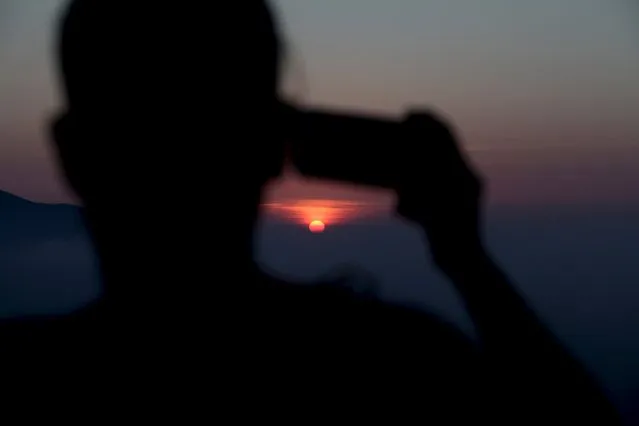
367 310
43 329
403 319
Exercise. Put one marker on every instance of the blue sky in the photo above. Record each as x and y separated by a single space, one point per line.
543 89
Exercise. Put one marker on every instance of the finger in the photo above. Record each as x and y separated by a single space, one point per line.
443 154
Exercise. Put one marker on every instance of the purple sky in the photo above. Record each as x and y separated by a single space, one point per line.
545 93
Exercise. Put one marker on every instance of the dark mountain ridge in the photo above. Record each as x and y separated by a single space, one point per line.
25 220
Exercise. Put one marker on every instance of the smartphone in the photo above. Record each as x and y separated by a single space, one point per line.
346 147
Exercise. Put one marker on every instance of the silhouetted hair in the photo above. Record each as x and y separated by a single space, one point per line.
109 46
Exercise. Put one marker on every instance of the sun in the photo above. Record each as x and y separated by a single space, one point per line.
316 226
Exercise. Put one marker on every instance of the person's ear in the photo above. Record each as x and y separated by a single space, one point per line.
65 135
58 127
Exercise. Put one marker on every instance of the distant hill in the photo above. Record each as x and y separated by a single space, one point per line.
25 220
47 263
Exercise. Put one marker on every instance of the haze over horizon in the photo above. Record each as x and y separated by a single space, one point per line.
544 93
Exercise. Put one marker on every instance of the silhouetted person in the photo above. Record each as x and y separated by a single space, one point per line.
171 130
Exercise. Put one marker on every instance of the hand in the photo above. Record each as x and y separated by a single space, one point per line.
440 191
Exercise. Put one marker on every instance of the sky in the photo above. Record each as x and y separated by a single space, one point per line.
543 93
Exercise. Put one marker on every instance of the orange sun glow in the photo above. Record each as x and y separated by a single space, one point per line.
316 226
317 214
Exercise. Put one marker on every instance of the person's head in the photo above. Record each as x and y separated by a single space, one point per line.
164 95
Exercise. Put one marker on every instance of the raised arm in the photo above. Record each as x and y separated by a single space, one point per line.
443 196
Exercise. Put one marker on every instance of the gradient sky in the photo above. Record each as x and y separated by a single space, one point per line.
545 93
